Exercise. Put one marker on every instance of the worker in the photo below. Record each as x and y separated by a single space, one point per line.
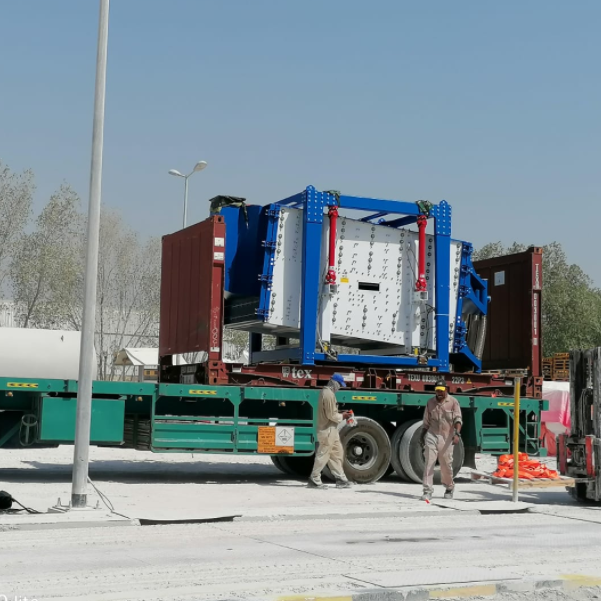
329 451
440 433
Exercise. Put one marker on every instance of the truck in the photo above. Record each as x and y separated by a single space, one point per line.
376 290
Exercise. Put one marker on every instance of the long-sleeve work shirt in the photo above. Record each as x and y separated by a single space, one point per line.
327 410
440 417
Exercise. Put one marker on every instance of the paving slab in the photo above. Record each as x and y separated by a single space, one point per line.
565 587
76 518
485 506
438 577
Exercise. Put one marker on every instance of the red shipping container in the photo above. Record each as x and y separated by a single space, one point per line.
192 282
513 337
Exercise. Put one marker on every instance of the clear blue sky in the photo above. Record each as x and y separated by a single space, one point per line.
493 106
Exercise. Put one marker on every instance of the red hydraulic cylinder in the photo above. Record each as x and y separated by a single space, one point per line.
421 285
331 276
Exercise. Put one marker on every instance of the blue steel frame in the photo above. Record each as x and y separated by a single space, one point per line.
314 204
473 297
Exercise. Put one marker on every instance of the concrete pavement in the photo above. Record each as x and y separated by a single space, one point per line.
272 559
290 541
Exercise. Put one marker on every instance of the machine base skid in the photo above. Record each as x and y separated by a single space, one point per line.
219 374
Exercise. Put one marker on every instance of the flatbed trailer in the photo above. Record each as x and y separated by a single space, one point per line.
275 421
268 407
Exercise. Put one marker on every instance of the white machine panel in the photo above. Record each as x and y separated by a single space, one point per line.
287 271
376 268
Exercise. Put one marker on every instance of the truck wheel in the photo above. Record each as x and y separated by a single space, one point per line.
395 460
366 451
412 455
277 461
297 466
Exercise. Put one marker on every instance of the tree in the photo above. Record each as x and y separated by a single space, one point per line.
16 197
45 265
496 249
571 305
128 301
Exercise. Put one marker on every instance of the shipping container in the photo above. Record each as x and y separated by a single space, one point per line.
192 284
513 337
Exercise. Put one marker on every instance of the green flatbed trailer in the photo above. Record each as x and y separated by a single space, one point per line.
250 420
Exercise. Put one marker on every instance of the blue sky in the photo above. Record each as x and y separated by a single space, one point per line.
493 106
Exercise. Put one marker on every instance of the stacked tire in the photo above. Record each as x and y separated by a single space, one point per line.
408 456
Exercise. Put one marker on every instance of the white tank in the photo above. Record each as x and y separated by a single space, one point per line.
31 353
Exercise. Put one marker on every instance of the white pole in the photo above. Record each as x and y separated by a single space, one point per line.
86 357
186 199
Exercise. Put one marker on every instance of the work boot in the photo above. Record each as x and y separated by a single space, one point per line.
313 484
448 494
426 496
343 484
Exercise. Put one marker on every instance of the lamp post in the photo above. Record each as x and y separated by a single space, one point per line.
86 356
198 167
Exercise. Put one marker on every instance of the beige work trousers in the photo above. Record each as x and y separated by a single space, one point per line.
329 452
438 448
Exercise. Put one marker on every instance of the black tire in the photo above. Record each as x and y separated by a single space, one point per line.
277 461
395 459
298 466
412 454
366 451
578 493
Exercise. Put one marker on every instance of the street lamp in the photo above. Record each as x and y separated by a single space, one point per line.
198 167
83 419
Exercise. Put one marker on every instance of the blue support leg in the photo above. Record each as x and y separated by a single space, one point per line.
442 216
312 224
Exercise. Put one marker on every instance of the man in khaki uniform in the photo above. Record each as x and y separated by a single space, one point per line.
330 450
440 434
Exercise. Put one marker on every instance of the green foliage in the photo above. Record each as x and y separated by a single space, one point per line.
46 262
571 305
43 264
16 197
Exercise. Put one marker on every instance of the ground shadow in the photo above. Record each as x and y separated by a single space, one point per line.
132 472
535 497
400 495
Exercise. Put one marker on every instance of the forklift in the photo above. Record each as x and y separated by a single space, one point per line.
579 452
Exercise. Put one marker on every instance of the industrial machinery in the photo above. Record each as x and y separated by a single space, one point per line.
397 297
579 452
321 289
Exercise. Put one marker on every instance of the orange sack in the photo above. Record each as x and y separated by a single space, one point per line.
528 469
